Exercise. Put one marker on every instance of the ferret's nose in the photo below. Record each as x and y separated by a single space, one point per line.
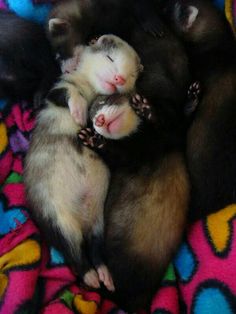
119 80
100 120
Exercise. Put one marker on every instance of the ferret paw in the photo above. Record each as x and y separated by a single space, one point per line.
141 106
91 138
91 279
105 277
194 92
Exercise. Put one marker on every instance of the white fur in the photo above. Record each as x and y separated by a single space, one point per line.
64 187
129 121
193 13
126 63
94 69
58 120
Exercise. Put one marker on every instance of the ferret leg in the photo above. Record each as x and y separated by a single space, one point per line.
79 259
78 106
96 252
87 272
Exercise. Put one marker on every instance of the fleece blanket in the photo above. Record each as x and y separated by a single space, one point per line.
34 278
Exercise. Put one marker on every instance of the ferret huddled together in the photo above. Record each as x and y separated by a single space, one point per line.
115 169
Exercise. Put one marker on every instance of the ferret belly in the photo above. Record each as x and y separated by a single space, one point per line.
66 185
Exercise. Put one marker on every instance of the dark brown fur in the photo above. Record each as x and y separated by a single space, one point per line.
144 224
27 66
211 148
145 211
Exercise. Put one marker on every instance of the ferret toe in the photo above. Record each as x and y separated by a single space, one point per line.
105 277
141 106
91 279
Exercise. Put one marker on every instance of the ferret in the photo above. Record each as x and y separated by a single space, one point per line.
73 22
165 78
27 65
66 183
147 202
211 149
149 186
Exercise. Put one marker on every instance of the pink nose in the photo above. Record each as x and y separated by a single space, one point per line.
119 80
100 120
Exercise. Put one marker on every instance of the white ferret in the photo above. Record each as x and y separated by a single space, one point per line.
66 183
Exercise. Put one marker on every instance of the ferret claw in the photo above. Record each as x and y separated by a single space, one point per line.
194 92
141 106
91 139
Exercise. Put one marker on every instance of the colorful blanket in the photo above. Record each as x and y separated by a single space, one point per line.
34 278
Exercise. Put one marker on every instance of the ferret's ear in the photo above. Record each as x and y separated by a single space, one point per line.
93 40
139 64
141 67
58 27
192 16
106 42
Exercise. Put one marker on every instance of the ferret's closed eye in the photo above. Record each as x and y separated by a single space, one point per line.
110 58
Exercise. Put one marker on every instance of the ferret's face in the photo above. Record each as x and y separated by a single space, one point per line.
113 117
194 20
111 65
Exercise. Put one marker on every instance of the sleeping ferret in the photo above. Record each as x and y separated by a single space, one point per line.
165 79
72 22
211 147
66 183
147 202
27 66
164 82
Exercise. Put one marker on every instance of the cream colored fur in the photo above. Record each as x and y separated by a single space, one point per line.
94 67
67 187
129 121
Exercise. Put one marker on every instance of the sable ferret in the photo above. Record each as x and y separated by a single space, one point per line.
211 148
72 22
147 202
66 183
27 66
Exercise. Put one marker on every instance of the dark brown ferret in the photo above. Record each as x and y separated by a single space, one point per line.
211 148
147 200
